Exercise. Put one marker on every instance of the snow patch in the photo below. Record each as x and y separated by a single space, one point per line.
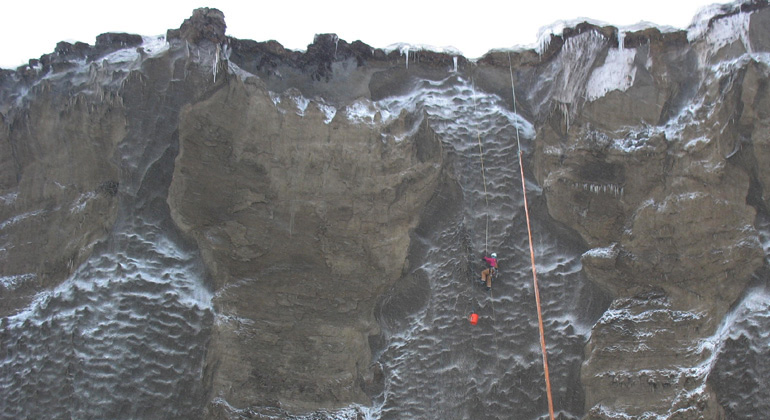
696 143
362 111
302 103
19 218
276 98
718 33
80 203
155 45
608 252
629 145
329 111
151 46
9 198
12 282
674 198
617 73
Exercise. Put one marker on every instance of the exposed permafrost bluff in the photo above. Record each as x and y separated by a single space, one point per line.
201 227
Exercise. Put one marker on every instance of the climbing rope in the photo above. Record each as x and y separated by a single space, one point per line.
532 254
486 202
483 171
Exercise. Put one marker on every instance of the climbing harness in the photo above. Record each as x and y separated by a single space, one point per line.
532 254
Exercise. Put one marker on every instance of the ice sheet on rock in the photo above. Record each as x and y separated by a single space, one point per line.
449 103
131 320
152 46
702 21
236 70
557 29
724 31
617 73
563 80
84 72
684 128
436 365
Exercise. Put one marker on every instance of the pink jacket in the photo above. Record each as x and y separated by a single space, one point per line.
491 261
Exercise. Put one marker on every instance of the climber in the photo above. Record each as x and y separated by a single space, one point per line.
491 270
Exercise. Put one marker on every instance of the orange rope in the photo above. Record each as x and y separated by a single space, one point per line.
532 253
537 292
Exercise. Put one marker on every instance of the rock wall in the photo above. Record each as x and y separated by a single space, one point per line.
303 226
302 220
298 196
58 187
658 178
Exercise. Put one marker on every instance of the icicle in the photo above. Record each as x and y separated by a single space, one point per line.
454 60
566 116
405 50
621 37
216 63
545 42
564 109
336 41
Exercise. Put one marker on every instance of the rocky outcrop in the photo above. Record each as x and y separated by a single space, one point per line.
303 226
668 207
205 25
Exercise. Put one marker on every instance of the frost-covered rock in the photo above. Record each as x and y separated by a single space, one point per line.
197 226
685 155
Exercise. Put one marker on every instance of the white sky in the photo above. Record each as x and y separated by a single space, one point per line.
31 29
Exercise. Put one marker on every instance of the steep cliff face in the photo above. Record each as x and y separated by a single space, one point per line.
303 224
300 220
54 175
658 177
198 226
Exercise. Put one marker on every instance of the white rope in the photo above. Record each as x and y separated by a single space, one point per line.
483 171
